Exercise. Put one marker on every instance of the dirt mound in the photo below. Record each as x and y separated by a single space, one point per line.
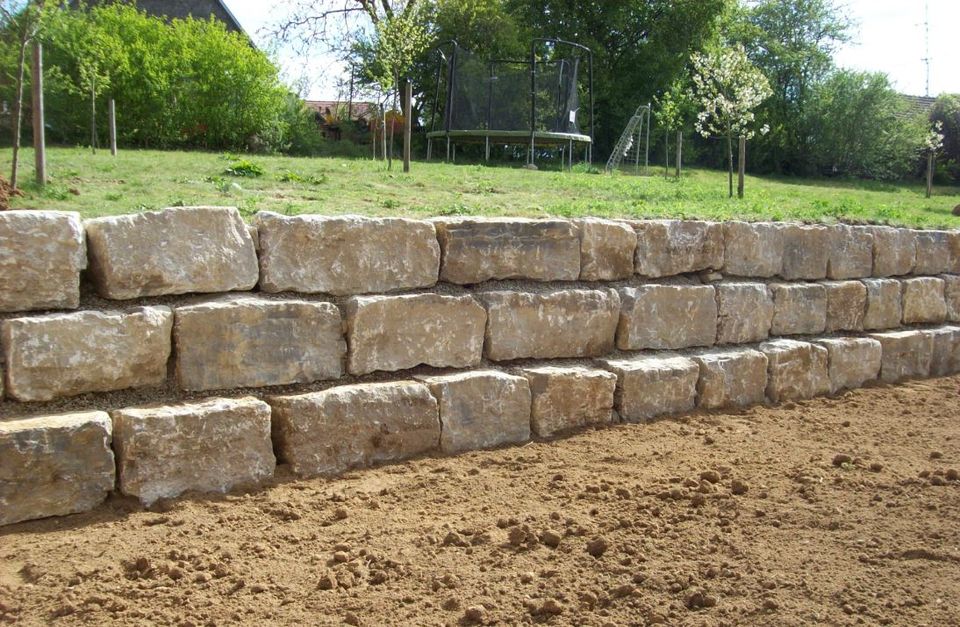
6 193
833 511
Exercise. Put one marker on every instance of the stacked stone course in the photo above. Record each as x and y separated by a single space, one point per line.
341 342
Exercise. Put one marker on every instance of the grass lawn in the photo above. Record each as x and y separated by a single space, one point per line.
98 185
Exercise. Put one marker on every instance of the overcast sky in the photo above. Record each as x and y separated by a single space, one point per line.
888 37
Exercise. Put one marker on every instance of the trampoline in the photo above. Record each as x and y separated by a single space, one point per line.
535 102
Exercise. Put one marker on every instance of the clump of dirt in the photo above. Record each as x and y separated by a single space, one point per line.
832 511
6 193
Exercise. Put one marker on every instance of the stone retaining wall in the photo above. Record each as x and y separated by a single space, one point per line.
182 350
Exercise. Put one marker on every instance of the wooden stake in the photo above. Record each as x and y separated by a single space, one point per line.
39 134
93 116
679 152
742 166
112 115
407 123
930 175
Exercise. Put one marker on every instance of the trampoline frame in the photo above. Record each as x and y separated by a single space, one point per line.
532 137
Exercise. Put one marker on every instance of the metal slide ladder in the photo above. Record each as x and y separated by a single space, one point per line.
631 142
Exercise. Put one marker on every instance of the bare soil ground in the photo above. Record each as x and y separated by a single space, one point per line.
754 517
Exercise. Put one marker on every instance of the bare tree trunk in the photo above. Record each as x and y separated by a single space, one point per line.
18 113
39 134
930 175
730 162
741 166
407 122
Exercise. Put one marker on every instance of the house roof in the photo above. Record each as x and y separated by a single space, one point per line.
357 109
918 104
200 9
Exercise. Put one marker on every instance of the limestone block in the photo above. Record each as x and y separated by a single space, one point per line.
58 355
884 306
656 385
477 250
54 465
174 251
208 446
894 250
744 312
850 252
795 370
245 341
667 317
806 251
481 409
398 332
731 378
351 426
935 252
846 305
345 255
951 295
946 351
41 256
669 247
906 355
923 300
752 249
558 323
853 361
798 308
567 398
606 249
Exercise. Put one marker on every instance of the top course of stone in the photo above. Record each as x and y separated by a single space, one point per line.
210 249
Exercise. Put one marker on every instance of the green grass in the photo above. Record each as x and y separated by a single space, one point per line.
98 185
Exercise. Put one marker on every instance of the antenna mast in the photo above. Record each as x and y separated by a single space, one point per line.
926 40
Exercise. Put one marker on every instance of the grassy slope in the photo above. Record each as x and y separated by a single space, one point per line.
99 185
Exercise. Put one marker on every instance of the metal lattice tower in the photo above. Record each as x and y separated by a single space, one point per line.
634 140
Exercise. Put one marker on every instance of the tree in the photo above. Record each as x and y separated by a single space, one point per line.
946 111
793 42
21 25
673 109
728 87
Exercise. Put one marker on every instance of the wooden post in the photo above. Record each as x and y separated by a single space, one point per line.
93 116
383 124
742 166
679 152
930 163
39 135
112 115
407 122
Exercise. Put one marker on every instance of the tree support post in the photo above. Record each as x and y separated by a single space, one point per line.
742 166
39 136
407 122
679 152
930 175
112 120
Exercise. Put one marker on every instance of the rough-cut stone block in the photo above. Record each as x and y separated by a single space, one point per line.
566 398
669 247
54 465
798 308
946 351
606 249
477 250
951 295
174 251
560 323
906 355
58 355
652 386
884 307
352 426
667 317
752 249
853 361
923 301
209 446
481 409
41 256
744 312
934 252
846 305
398 332
850 253
806 251
345 255
894 250
731 378
795 370
238 342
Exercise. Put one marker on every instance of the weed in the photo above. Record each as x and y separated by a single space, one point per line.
244 167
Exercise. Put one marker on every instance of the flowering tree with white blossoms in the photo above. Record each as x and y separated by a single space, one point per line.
932 144
727 88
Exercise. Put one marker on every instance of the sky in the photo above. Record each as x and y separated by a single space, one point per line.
888 36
